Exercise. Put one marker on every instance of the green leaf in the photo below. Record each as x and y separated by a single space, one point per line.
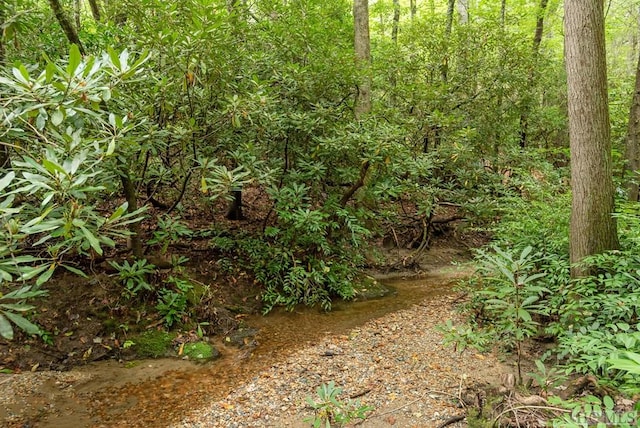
7 179
5 328
17 307
23 323
46 275
74 270
57 117
93 241
74 60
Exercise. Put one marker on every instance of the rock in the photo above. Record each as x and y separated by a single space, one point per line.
241 338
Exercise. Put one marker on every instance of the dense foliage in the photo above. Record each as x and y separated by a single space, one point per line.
242 116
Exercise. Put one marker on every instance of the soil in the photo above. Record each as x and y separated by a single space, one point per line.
86 375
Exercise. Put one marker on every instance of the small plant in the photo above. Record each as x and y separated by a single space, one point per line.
591 411
464 336
172 304
330 411
170 230
547 378
511 296
134 276
9 309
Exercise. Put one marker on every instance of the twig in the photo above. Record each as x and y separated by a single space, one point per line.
360 394
452 420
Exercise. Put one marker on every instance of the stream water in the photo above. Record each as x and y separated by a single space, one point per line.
158 392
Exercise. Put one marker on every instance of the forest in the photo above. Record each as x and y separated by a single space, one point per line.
169 167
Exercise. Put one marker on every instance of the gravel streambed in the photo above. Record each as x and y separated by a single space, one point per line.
396 364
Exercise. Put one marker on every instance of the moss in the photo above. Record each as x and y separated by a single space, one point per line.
152 344
200 351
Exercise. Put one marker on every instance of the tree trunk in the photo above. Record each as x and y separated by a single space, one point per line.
131 195
362 47
396 21
95 9
444 67
413 8
503 13
633 141
67 26
77 10
463 11
593 228
3 11
531 80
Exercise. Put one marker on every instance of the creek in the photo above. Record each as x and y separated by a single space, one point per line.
151 393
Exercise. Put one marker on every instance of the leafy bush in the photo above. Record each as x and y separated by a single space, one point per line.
11 305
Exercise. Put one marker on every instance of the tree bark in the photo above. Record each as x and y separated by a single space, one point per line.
593 229
362 47
131 195
531 80
463 11
633 142
95 9
77 10
67 26
444 67
396 21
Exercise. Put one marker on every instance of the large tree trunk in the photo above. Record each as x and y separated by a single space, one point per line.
362 47
67 26
593 228
633 142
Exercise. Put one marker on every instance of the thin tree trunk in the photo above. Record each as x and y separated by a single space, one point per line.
413 7
531 80
396 21
463 11
362 47
67 26
3 11
5 161
77 10
593 229
131 195
95 9
444 68
503 13
633 142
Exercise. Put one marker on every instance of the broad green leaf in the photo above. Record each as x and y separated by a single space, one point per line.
16 307
7 179
93 241
6 330
118 212
74 270
57 117
53 167
112 147
46 275
23 323
74 60
21 74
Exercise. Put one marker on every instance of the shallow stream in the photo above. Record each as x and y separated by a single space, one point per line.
158 392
